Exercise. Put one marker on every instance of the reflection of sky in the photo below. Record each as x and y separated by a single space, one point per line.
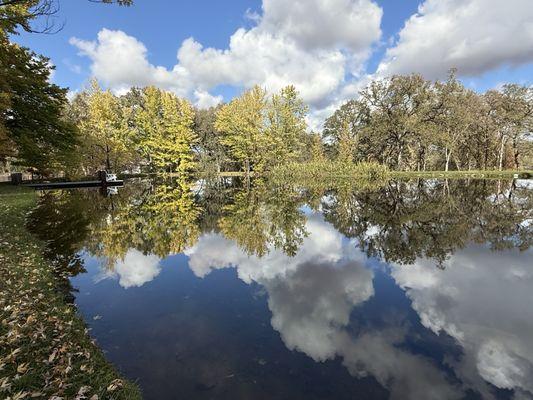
325 302
483 300
311 297
134 270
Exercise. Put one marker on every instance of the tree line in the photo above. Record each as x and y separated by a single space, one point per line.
409 123
152 130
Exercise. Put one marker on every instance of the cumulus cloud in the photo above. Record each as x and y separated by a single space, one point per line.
351 24
206 100
120 62
135 270
316 45
482 300
474 36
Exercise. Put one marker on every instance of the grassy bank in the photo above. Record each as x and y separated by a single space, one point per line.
463 174
45 349
326 170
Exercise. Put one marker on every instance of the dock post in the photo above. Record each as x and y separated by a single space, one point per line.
102 176
16 178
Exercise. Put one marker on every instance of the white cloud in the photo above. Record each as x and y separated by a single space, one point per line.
473 35
317 45
321 46
135 270
326 24
206 100
482 299
120 62
272 61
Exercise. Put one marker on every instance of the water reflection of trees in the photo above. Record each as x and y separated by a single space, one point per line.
263 217
65 222
162 220
400 222
406 220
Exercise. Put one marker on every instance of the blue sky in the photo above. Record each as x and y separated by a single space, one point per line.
328 48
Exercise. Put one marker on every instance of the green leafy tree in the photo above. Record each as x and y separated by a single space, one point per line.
32 129
212 153
343 129
286 131
454 117
316 145
512 116
242 124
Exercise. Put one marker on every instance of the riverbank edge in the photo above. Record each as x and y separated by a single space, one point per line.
45 347
489 174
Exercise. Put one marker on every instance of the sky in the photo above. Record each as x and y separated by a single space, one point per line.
210 50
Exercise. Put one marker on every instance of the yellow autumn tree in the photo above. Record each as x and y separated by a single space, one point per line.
104 135
166 135
242 124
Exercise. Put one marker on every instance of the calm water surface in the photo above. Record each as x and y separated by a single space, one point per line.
216 290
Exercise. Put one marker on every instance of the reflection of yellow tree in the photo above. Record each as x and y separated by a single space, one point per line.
163 222
244 221
263 217
173 225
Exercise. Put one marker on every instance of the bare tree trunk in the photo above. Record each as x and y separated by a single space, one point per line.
448 156
500 157
516 154
457 163
400 160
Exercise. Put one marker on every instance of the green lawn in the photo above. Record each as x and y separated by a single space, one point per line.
45 349
462 174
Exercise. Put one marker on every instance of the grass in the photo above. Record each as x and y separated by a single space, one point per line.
45 349
326 170
490 174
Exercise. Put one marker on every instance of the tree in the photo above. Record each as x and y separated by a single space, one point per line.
316 148
104 134
176 142
343 129
242 124
31 124
211 152
410 123
165 133
286 132
512 113
397 122
454 117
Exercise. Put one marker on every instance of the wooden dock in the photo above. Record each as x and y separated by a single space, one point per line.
73 185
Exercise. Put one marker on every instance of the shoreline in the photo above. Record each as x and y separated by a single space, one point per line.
45 346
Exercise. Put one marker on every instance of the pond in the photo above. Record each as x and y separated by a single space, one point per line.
225 289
